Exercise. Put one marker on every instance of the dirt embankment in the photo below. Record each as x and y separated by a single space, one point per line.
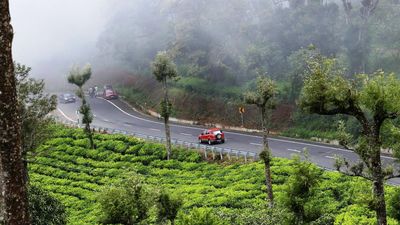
145 93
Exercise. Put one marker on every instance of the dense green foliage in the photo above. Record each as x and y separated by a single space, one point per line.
219 60
45 209
168 207
127 202
34 104
201 216
372 100
234 193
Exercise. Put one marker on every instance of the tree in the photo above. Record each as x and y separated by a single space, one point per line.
45 209
373 100
13 185
34 106
262 98
168 207
127 202
300 188
79 77
163 69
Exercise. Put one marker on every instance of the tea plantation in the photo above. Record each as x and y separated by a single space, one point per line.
75 174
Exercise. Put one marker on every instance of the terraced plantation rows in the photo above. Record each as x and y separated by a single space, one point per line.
75 174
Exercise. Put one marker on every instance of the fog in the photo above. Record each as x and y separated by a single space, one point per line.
52 35
228 42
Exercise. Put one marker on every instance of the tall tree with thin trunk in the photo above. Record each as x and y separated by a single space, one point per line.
79 77
34 107
13 185
262 97
374 101
163 69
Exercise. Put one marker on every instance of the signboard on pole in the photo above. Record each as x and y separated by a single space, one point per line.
241 110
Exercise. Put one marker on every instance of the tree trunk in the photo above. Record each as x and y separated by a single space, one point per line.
2 197
168 137
12 168
166 119
265 155
380 209
85 118
379 189
90 135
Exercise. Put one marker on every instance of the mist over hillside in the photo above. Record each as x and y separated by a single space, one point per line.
226 42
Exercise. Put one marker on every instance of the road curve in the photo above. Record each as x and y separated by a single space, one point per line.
117 115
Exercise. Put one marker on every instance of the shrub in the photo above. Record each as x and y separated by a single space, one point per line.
394 204
257 215
181 154
299 190
44 209
168 207
200 216
127 202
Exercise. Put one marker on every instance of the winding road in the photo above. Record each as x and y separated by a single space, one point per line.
117 115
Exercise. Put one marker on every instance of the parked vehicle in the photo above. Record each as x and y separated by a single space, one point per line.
109 93
66 98
211 136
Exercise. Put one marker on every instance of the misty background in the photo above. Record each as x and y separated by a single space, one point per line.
219 46
51 36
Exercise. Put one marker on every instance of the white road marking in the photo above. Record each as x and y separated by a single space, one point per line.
126 125
329 157
150 121
64 115
257 144
293 150
186 134
154 129
240 134
106 120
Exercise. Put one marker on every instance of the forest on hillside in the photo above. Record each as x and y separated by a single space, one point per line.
220 47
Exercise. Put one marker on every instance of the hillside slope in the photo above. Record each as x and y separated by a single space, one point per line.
75 174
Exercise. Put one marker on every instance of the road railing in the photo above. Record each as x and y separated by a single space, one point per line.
207 150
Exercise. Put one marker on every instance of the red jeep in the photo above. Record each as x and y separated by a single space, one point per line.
211 136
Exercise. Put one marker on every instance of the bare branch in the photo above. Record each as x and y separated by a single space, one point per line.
388 177
354 170
347 173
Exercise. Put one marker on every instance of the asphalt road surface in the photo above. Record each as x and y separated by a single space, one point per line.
117 115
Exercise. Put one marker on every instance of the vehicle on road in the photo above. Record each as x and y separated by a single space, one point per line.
109 93
92 92
66 98
211 136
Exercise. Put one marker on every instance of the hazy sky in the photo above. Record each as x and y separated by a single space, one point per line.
57 32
